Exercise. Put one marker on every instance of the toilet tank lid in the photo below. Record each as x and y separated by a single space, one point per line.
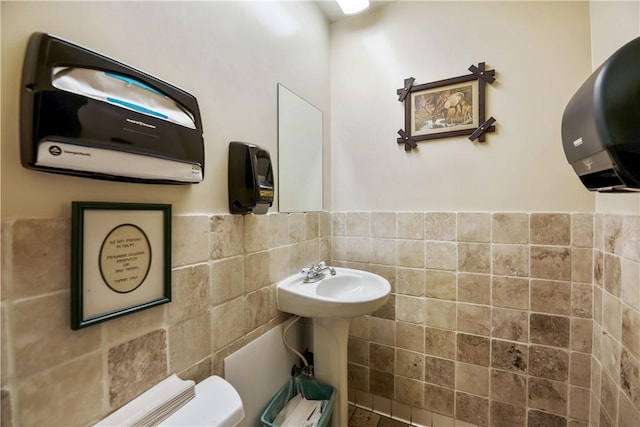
217 403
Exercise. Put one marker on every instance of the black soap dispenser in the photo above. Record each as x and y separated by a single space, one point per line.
250 180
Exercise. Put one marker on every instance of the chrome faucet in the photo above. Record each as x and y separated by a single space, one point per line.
316 272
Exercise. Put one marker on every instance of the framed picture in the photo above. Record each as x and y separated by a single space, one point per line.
446 108
120 259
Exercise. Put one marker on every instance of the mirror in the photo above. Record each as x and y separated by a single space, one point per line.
300 154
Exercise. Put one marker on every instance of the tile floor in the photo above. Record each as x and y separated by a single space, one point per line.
359 417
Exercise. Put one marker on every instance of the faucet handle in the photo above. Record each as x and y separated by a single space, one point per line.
321 264
308 269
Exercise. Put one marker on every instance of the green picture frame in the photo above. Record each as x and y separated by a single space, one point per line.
120 259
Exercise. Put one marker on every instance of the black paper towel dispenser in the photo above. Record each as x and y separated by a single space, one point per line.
84 114
601 124
250 179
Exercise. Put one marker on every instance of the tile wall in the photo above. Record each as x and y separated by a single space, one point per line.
491 317
224 270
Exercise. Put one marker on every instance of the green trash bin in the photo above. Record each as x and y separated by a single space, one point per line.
310 389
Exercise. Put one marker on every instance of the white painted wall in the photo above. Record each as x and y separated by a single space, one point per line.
540 51
230 55
613 24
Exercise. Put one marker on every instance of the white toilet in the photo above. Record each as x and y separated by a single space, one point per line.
216 403
213 403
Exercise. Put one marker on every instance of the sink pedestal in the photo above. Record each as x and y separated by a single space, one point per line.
330 340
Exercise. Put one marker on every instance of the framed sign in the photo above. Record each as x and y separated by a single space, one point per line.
120 259
446 108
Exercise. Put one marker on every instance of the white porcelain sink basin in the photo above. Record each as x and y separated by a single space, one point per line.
350 293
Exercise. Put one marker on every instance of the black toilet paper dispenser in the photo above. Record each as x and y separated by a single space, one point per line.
601 124
250 179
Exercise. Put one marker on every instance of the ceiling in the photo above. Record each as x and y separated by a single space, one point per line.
334 14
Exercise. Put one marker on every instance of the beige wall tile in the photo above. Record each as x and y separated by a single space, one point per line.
538 418
510 292
509 356
227 236
440 313
582 300
381 383
144 358
358 351
580 369
609 396
383 224
582 225
581 334
474 288
409 364
472 409
548 262
410 253
550 229
227 279
410 309
338 224
548 362
509 324
256 271
440 226
509 387
135 324
631 330
630 376
410 336
383 251
441 255
304 254
549 330
388 310
410 281
297 227
227 322
39 326
189 342
510 228
279 266
548 395
410 225
472 349
359 327
190 292
278 229
358 377
40 255
358 249
472 378
504 415
312 225
628 414
551 297
382 331
440 342
630 283
197 372
357 224
598 269
257 307
409 391
441 284
474 257
612 274
324 224
473 227
257 233
631 237
474 319
68 394
511 260
439 371
612 315
439 399
190 242
610 356
582 265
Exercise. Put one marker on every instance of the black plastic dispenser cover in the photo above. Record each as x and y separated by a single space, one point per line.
250 180
84 114
601 124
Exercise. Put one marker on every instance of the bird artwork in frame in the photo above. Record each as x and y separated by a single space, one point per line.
446 108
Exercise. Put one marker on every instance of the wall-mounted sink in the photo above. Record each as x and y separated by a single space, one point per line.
350 293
